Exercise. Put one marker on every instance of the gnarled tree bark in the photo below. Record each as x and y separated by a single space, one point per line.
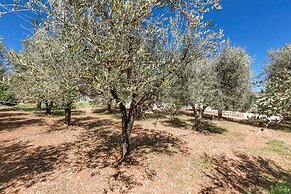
197 122
219 114
109 105
198 115
49 106
127 121
38 105
138 112
68 113
127 125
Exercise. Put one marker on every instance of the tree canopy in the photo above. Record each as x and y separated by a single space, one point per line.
233 67
5 94
275 99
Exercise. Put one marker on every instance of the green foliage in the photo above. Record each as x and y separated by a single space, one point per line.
194 79
278 147
124 46
204 84
5 94
197 84
25 107
233 67
46 70
280 188
276 98
85 105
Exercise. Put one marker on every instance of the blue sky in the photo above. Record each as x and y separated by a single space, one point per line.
256 25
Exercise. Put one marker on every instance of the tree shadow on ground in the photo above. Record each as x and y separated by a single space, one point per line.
5 114
106 137
146 141
58 113
27 109
9 124
155 114
99 148
143 143
122 182
105 111
243 174
206 127
212 128
282 126
55 111
23 164
10 119
115 113
86 122
176 123
96 148
89 122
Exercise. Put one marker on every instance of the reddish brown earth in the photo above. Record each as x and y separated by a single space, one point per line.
38 154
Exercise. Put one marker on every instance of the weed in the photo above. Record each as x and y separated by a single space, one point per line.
202 162
278 147
282 188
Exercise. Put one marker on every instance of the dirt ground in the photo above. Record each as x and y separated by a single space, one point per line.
38 154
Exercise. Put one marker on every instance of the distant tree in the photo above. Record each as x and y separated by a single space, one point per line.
5 94
197 87
32 79
278 61
234 78
275 99
194 81
204 89
47 71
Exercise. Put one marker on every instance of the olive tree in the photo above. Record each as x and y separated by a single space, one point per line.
47 70
32 78
196 87
5 94
204 89
234 78
275 99
194 80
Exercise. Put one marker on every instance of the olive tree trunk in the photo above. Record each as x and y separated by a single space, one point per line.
38 105
49 106
127 125
109 105
68 113
138 112
219 114
197 117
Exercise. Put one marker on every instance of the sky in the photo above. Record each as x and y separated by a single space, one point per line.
256 25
